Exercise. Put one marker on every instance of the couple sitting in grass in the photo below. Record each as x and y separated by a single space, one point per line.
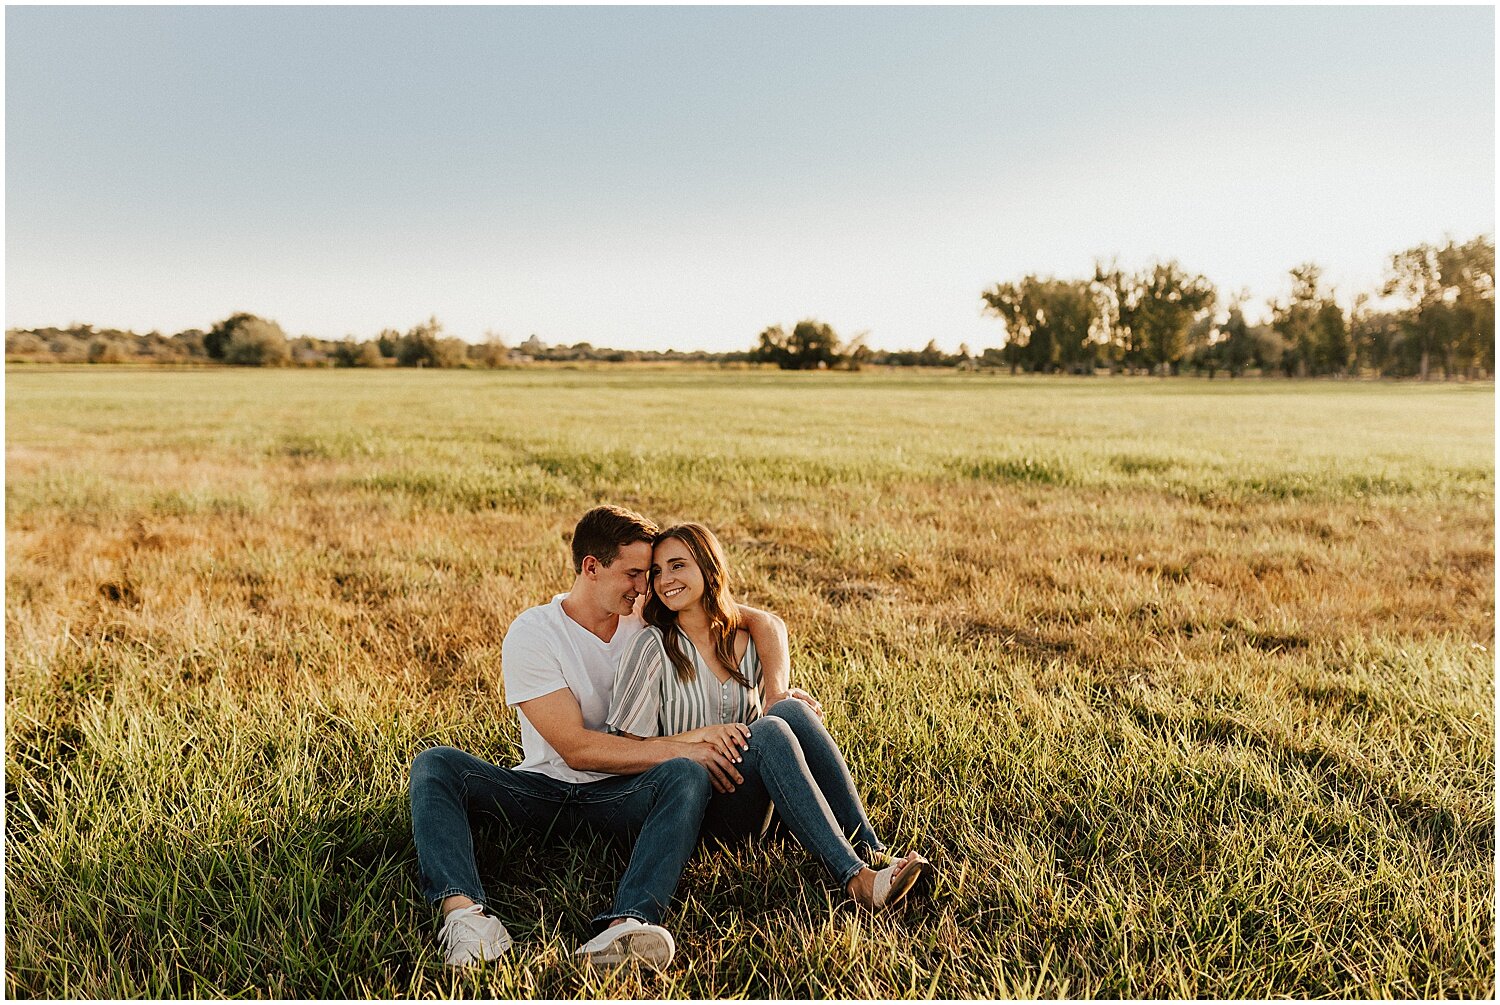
655 721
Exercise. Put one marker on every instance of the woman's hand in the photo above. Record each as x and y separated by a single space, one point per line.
729 739
799 695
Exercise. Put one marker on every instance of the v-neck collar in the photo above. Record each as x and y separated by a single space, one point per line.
703 664
562 612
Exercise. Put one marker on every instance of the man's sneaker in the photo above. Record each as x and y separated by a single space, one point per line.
470 936
632 940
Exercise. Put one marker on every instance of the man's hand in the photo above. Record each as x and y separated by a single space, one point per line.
560 721
721 772
798 694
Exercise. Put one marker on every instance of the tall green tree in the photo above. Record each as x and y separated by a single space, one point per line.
1147 315
1376 336
1416 277
814 345
1049 323
1296 320
771 347
1236 346
1167 301
1012 304
1468 274
1333 353
1070 309
1116 294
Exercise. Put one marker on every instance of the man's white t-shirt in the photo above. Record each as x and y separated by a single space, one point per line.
544 651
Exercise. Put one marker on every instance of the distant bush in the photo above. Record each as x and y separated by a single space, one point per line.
811 345
246 340
425 345
491 353
363 354
308 351
107 350
262 344
24 343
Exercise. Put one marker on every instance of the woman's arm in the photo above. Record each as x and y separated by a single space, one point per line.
635 698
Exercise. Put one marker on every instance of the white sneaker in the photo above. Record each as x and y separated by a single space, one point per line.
470 936
632 940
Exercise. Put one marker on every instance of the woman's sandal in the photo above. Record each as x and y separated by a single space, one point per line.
890 886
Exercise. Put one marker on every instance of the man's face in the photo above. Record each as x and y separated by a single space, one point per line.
624 579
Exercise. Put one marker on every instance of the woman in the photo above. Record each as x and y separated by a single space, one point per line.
694 676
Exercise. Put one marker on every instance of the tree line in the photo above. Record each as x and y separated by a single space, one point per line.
244 339
1164 318
1161 319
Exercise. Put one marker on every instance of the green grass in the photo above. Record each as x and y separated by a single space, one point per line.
1185 685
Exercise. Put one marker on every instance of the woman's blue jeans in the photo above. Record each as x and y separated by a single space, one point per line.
794 763
660 809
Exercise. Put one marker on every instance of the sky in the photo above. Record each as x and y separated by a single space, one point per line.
684 177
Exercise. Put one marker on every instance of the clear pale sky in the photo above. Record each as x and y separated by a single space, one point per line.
683 177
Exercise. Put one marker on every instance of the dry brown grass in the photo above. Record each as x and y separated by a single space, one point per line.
1182 711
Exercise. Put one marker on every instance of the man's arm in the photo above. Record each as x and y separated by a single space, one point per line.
769 635
557 717
768 632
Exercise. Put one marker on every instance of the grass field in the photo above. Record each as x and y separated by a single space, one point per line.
1184 684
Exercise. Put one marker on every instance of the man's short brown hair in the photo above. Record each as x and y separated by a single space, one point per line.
604 530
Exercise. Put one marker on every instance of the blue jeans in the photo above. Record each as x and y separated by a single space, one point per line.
661 809
794 764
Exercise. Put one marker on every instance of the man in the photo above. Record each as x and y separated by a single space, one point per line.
559 662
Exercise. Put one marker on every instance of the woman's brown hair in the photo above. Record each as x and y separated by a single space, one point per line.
718 603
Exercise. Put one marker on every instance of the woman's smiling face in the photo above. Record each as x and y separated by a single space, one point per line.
675 577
